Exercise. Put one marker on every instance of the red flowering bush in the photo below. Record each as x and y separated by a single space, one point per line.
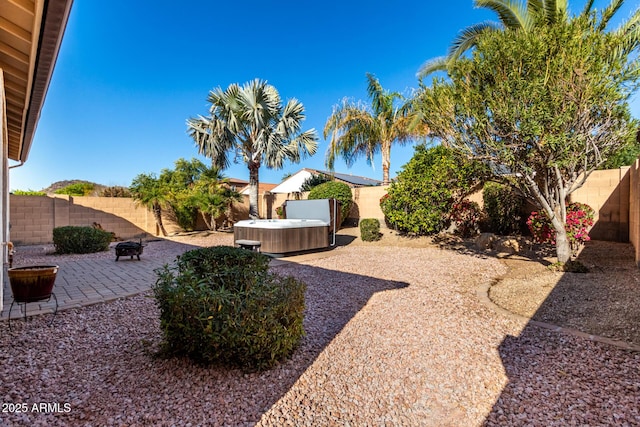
579 222
466 215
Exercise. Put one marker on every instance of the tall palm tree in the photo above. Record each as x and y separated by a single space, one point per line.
515 14
148 191
252 123
357 130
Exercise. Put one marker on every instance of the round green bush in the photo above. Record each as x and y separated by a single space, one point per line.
73 239
370 230
334 190
420 200
221 305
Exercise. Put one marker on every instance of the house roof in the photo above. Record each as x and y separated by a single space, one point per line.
293 184
262 188
356 181
30 37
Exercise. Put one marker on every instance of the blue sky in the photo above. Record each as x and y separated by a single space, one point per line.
130 73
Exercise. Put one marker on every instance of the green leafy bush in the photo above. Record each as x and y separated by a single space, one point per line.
503 206
115 191
370 229
77 189
80 240
334 190
28 193
419 202
222 305
313 181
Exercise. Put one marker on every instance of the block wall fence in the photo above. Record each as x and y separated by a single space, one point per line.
613 194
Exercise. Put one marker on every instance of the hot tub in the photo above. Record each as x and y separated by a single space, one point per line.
279 236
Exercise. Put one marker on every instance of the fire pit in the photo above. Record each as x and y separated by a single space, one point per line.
129 249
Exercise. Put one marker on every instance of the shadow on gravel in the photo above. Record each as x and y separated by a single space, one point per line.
556 378
559 379
122 383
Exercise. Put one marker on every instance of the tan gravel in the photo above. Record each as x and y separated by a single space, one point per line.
395 336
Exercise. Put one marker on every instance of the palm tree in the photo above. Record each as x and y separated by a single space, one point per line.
148 191
252 123
515 14
357 130
213 196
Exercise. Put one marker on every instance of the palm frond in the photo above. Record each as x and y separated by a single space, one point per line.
467 39
587 8
608 13
431 66
512 14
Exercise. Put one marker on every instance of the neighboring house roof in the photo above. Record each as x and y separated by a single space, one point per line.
30 37
262 188
239 184
293 184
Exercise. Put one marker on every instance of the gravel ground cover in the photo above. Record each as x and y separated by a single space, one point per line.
395 336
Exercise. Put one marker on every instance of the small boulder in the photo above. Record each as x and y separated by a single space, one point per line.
485 241
508 246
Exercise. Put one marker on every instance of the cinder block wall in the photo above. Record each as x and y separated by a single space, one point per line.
608 193
33 218
634 208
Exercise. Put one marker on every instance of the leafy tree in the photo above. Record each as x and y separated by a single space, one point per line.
314 180
524 16
115 191
543 108
148 191
179 186
213 196
77 189
252 123
357 130
624 156
420 200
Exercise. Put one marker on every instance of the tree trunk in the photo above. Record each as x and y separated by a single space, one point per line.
157 214
563 247
253 189
386 164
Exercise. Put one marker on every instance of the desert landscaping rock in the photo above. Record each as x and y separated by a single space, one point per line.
396 335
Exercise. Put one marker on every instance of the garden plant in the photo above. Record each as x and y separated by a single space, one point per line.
221 305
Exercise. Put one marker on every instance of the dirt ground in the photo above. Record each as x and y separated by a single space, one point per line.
604 301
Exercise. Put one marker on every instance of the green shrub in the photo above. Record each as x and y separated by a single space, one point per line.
77 189
80 240
420 200
503 206
370 230
222 305
115 191
334 190
28 193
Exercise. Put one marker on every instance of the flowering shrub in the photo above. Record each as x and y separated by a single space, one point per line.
466 215
579 221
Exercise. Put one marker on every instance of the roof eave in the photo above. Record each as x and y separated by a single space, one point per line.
55 15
